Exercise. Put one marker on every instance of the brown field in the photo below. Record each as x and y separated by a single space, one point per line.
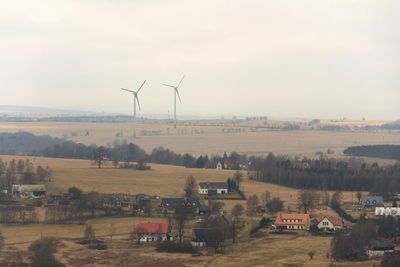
161 180
168 181
207 139
165 181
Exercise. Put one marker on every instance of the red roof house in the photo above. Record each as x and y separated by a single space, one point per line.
292 221
149 232
152 228
330 223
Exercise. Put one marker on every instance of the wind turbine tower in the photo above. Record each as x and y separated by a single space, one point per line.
176 93
135 98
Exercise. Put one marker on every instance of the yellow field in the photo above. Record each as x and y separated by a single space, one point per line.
161 180
197 139
102 227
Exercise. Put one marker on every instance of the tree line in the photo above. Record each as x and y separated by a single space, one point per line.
326 174
376 151
23 172
318 174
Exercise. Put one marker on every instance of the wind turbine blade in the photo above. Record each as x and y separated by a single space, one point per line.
141 86
181 81
169 85
137 100
177 92
127 90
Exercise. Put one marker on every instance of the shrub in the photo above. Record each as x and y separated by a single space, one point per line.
172 247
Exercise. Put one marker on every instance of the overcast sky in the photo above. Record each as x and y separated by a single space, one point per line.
298 58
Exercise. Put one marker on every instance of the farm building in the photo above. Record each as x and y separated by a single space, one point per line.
372 201
330 223
170 204
213 188
28 191
199 237
207 237
378 248
150 232
292 221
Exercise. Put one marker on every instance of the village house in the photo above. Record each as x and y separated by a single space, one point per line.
219 166
330 224
116 201
378 248
372 201
170 204
213 188
199 237
28 191
292 221
150 232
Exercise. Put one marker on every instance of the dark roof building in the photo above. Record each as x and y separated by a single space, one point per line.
172 203
375 201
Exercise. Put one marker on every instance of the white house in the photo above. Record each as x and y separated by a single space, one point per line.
150 232
213 188
330 223
219 166
28 190
378 248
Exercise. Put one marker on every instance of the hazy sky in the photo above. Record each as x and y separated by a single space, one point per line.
298 58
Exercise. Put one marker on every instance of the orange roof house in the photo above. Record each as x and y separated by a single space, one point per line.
292 221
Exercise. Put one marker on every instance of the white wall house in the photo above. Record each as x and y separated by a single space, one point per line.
151 232
28 190
330 223
213 188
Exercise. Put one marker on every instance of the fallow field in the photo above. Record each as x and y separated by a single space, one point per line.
213 137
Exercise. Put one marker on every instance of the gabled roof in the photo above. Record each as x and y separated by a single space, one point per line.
336 221
218 218
303 217
29 187
372 200
180 202
381 244
219 185
152 228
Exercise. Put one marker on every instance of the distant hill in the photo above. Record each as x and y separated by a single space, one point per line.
392 125
11 110
376 151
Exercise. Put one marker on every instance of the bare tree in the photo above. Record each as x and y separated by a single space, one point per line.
307 199
359 195
89 234
252 205
112 230
265 198
237 210
214 206
238 178
181 216
190 186
43 252
337 198
99 156
275 205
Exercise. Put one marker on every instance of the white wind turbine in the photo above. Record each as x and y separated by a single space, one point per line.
176 93
135 98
